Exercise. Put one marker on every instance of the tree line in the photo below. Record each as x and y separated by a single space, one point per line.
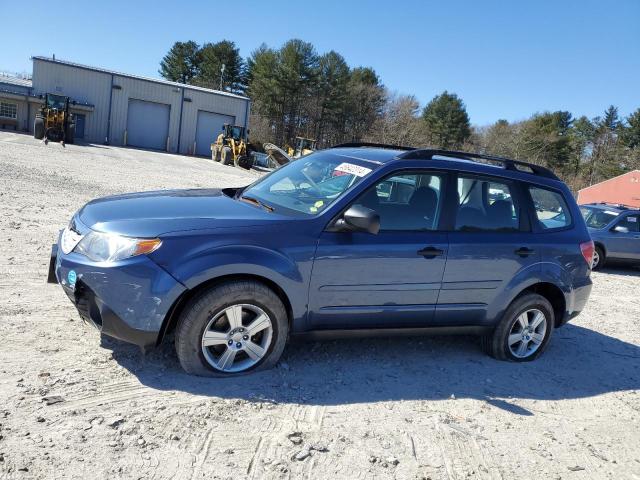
296 91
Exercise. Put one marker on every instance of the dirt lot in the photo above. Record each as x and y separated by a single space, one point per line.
396 408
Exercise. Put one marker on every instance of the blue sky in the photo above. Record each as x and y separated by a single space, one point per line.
506 59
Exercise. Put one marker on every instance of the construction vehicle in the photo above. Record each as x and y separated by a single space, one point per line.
231 147
303 146
54 121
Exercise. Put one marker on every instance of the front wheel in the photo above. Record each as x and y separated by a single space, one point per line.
232 329
244 161
524 331
227 156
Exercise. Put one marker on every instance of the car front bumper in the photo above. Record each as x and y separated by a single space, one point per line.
128 300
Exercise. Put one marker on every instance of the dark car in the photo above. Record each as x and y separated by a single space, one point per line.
351 240
615 230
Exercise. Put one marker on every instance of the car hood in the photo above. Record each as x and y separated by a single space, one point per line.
150 214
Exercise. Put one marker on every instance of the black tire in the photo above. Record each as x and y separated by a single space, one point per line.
38 128
601 258
215 153
227 156
496 343
199 311
245 161
70 134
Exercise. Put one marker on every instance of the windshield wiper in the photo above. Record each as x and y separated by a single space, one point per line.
255 201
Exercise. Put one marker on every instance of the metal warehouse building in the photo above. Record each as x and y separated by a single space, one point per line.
122 109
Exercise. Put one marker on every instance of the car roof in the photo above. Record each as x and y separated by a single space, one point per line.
376 155
450 160
609 207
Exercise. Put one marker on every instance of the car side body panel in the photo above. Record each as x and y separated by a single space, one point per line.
285 260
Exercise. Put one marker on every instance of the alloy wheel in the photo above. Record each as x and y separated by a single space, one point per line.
596 259
237 338
527 333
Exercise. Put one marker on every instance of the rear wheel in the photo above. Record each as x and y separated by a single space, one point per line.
232 329
524 331
38 128
598 258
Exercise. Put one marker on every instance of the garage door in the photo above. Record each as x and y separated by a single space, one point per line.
148 124
208 129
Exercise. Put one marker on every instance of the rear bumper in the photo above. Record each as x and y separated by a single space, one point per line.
577 300
127 300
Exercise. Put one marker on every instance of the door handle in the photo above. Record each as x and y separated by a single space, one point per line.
524 252
430 252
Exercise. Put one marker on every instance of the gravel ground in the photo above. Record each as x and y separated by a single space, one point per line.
73 405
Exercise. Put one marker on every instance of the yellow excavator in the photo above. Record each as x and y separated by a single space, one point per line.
54 121
303 146
231 147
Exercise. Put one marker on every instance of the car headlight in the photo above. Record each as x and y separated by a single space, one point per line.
108 247
69 239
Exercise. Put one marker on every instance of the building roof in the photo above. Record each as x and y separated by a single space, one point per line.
610 180
12 80
138 77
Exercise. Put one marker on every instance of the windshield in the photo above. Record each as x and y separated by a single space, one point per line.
56 101
236 132
309 185
596 217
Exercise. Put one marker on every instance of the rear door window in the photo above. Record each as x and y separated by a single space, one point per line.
551 209
485 205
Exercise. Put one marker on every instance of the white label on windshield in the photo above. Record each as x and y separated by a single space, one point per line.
632 219
353 169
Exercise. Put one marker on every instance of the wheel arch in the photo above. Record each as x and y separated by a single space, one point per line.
600 244
171 320
552 293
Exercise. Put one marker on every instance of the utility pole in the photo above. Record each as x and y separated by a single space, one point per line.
221 74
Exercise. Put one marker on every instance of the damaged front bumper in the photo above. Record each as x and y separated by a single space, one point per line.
128 300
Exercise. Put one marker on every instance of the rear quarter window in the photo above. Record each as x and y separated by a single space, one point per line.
550 208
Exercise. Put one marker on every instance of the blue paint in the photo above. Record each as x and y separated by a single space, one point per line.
337 279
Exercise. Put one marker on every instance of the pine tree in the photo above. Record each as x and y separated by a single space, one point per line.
210 74
446 119
182 62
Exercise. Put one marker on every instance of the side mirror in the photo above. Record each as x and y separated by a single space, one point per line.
620 229
359 219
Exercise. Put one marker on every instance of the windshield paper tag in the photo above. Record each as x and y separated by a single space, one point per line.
353 169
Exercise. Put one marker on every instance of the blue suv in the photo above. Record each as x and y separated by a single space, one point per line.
615 230
359 239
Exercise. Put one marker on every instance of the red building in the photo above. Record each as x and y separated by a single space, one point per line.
624 189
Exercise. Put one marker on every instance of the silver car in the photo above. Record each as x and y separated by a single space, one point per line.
615 230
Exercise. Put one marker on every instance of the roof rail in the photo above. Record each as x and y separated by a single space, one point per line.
372 145
619 206
509 164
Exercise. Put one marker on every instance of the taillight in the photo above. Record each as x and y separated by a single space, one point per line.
587 249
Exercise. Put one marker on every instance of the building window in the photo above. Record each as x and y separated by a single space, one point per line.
8 110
